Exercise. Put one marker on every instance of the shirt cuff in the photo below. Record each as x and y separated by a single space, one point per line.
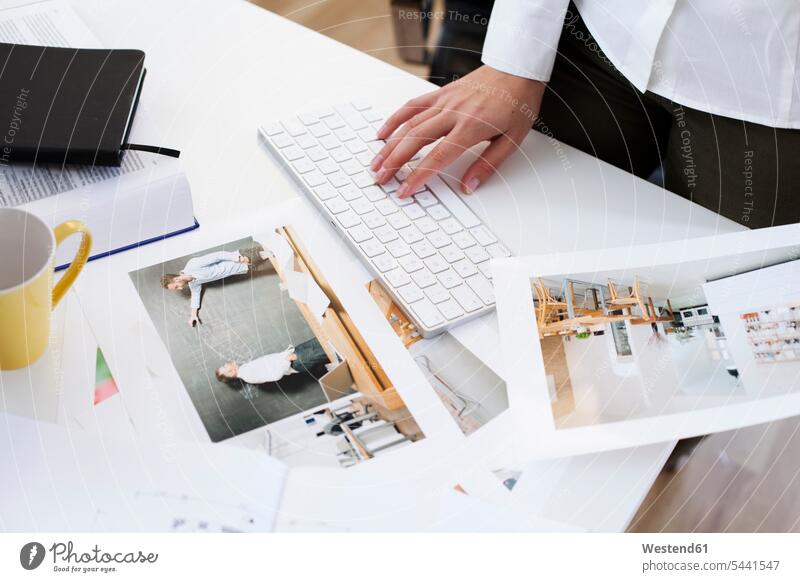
522 38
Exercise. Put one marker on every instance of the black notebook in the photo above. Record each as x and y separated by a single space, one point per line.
64 105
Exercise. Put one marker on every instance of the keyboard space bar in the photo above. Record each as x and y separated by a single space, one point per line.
453 202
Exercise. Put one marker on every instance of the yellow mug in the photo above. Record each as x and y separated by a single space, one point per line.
27 295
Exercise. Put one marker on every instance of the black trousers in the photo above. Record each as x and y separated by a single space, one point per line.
744 171
311 358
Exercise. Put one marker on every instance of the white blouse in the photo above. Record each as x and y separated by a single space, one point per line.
736 58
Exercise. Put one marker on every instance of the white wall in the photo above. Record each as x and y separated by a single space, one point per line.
465 372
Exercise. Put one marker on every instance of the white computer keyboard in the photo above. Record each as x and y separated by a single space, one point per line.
430 251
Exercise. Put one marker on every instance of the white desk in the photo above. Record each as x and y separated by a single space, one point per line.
218 68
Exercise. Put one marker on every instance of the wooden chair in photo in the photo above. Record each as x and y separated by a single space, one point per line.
635 299
548 307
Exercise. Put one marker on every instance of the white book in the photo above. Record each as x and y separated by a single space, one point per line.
147 198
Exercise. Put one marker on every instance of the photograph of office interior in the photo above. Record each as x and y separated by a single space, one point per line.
670 338
261 343
472 393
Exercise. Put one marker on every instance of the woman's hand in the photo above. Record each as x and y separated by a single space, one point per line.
485 105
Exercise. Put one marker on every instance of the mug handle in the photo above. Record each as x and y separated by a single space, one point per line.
62 231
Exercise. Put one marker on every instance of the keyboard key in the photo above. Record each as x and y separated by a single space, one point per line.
360 233
372 116
410 263
308 118
439 239
452 253
476 254
466 298
328 166
386 207
338 180
325 192
409 233
350 192
398 221
498 251
373 193
361 206
398 249
294 127
316 154
293 153
355 121
464 268
356 146
337 205
373 220
314 178
401 201
426 225
438 212
410 293
368 134
329 142
303 165
282 140
318 130
450 309
372 248
464 240
414 211
398 278
450 226
482 288
423 278
427 313
306 141
348 219
360 105
486 270
449 279
385 233
384 262
351 167
453 201
375 146
363 180
436 293
390 186
423 249
436 264
272 129
425 198
364 158
341 154
333 121
344 134
483 235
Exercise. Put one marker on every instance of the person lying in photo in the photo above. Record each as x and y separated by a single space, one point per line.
212 267
305 357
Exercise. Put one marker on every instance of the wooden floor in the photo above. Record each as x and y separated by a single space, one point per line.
362 24
739 481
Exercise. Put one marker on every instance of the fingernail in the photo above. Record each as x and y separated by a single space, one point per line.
472 185
381 176
382 129
377 162
403 190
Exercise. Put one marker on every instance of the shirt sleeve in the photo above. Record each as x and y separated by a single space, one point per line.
195 288
522 38
212 259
